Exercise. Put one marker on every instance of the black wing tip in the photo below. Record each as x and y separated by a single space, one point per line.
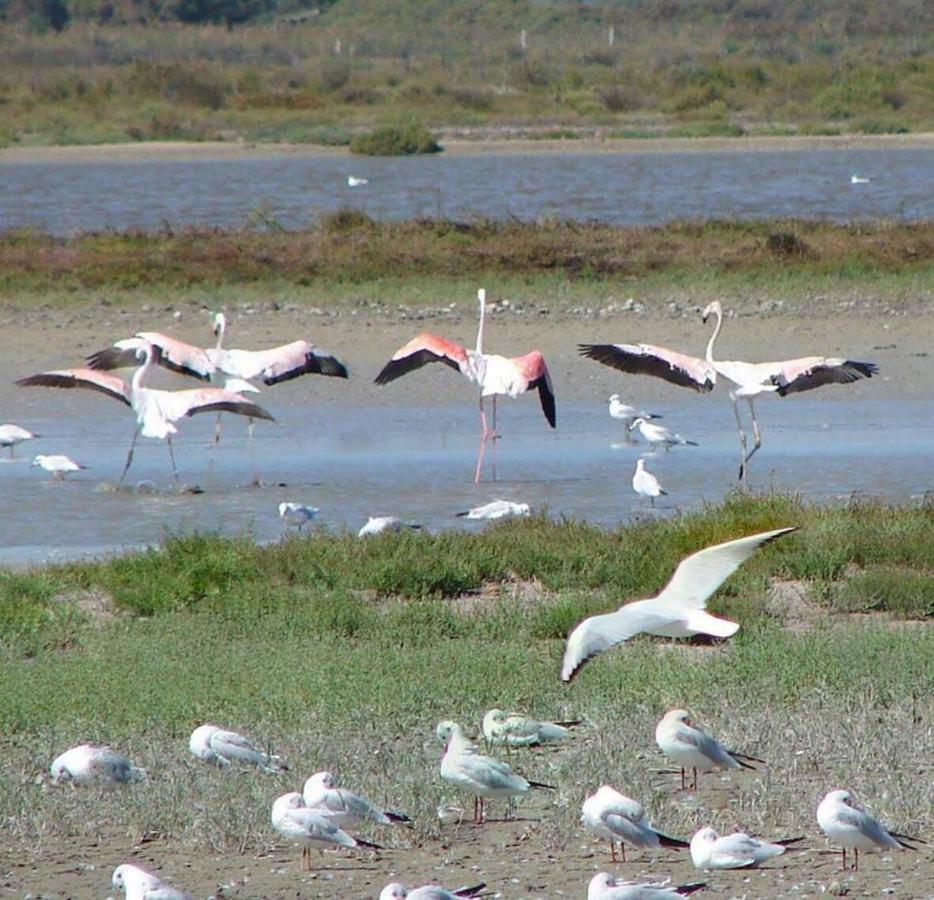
685 889
368 844
542 786
399 818
787 842
666 840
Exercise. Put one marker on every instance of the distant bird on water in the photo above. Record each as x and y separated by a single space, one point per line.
296 514
645 484
356 181
497 509
58 464
11 435
659 436
628 414
495 375
858 179
379 524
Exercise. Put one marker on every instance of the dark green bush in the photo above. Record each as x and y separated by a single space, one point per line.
395 140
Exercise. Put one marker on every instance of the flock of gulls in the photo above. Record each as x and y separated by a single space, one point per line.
320 815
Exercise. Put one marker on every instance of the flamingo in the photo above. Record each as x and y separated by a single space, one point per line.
11 435
845 821
156 411
645 484
750 379
494 374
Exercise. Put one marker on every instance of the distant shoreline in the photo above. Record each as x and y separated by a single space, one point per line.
460 147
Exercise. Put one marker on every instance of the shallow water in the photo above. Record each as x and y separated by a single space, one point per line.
417 463
620 188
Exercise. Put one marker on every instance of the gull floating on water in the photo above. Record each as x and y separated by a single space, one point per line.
658 435
90 764
516 730
645 484
344 807
297 822
142 885
847 823
692 748
296 514
58 464
678 611
734 851
398 891
11 435
497 509
216 745
484 777
356 181
858 179
379 524
603 886
618 818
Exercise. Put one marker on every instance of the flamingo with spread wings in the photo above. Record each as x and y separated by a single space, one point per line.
496 375
750 379
156 410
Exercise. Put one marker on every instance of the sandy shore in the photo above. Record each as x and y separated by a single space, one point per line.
459 146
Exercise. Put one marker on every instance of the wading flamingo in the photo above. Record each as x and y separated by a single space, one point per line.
494 374
156 411
678 611
750 379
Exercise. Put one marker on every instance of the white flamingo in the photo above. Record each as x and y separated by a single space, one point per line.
156 411
495 375
645 484
11 435
620 819
750 379
843 819
682 741
678 611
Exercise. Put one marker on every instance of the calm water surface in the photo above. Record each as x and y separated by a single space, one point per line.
620 188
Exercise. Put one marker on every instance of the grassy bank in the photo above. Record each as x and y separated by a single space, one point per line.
376 641
631 70
347 255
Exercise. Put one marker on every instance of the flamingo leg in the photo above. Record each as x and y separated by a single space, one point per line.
495 438
742 440
757 439
129 456
168 441
257 481
483 436
217 430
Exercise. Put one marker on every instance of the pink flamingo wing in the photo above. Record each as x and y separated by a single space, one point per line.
422 349
176 404
111 385
809 372
179 356
533 369
660 362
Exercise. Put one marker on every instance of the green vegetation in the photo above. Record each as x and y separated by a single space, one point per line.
347 253
87 71
395 140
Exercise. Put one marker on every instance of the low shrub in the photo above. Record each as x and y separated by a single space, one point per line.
395 140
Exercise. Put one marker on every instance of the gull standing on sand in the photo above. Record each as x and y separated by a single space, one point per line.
398 891
515 730
497 509
659 436
11 435
297 822
58 464
734 851
692 748
645 484
343 807
379 524
484 777
296 514
617 818
847 823
92 764
603 886
220 747
142 885
678 611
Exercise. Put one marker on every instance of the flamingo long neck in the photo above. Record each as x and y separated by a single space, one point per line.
481 299
713 337
140 373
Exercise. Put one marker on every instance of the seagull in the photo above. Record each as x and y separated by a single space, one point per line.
379 524
398 891
296 514
616 817
658 435
847 823
691 747
58 464
627 414
344 807
308 826
859 179
678 611
603 886
497 509
142 885
356 181
734 851
516 730
220 747
484 777
90 764
645 484
11 435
